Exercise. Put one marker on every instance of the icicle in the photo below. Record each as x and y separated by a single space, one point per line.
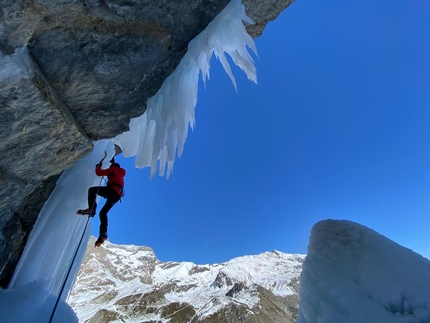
163 128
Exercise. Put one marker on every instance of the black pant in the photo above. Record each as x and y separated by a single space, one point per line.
111 196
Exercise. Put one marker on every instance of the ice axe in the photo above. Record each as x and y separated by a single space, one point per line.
101 161
117 150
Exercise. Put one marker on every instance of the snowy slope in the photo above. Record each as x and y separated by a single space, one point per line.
128 283
353 274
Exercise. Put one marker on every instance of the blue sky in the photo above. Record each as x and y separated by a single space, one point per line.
337 127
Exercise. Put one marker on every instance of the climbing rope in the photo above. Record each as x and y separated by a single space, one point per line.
74 256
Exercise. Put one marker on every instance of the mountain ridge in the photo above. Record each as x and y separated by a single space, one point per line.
118 283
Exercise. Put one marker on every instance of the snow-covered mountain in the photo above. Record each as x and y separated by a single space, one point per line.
126 283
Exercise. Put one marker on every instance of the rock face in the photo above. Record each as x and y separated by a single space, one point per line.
96 64
40 139
128 283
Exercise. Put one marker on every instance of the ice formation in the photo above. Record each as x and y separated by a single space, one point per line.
154 136
32 303
53 240
16 66
163 128
353 274
51 246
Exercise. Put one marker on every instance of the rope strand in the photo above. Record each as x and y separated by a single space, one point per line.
74 258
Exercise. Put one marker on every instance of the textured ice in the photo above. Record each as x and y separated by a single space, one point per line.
32 303
353 274
163 128
50 248
58 229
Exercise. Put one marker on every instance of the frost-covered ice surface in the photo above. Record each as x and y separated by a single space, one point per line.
32 303
163 128
155 136
352 274
58 230
41 272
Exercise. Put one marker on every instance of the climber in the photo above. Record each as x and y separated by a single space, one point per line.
112 192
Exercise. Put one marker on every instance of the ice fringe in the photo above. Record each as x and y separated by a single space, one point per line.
163 128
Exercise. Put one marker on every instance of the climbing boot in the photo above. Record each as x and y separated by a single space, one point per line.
100 240
87 212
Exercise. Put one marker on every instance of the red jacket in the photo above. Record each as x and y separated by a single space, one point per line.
115 177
